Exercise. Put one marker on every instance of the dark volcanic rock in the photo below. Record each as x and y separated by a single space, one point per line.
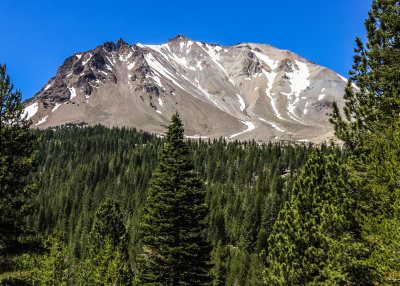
97 61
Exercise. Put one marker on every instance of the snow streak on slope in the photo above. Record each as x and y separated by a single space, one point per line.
31 110
72 91
43 120
165 51
216 59
271 77
207 95
159 68
55 107
271 63
241 102
272 124
250 127
131 65
85 62
298 82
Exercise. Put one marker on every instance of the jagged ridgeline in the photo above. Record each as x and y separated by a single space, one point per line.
246 184
244 91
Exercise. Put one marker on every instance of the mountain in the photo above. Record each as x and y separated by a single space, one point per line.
244 91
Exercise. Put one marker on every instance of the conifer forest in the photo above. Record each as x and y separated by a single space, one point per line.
91 205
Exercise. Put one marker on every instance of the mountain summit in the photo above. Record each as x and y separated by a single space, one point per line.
244 91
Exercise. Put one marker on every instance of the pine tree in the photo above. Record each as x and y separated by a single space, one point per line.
220 258
369 130
381 205
54 266
108 223
174 250
18 148
375 100
106 261
314 233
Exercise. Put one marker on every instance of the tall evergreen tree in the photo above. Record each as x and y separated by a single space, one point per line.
314 233
18 148
106 261
54 266
174 249
374 100
370 132
381 215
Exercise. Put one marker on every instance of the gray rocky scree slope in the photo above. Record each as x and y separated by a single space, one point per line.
244 91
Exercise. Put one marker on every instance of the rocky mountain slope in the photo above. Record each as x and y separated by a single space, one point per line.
244 91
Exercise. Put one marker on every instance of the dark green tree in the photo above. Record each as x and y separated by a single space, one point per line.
174 249
18 148
374 100
108 223
313 237
370 132
106 261
53 268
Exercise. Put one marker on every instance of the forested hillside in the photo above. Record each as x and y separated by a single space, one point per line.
246 183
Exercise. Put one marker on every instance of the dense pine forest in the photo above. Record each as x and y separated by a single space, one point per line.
246 186
98 206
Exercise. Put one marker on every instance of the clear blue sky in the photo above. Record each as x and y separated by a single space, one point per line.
37 36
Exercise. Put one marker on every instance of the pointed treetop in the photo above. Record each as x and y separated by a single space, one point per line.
175 130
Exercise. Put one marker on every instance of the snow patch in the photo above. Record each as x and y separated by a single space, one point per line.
104 72
156 79
197 136
68 75
271 77
199 65
215 58
47 86
85 62
207 94
160 102
299 81
158 111
43 120
55 107
321 96
273 125
188 46
108 67
78 56
30 110
159 68
273 64
303 140
131 66
305 111
124 59
72 92
111 62
182 61
250 127
241 102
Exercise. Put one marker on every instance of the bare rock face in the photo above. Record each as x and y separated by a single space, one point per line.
244 91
